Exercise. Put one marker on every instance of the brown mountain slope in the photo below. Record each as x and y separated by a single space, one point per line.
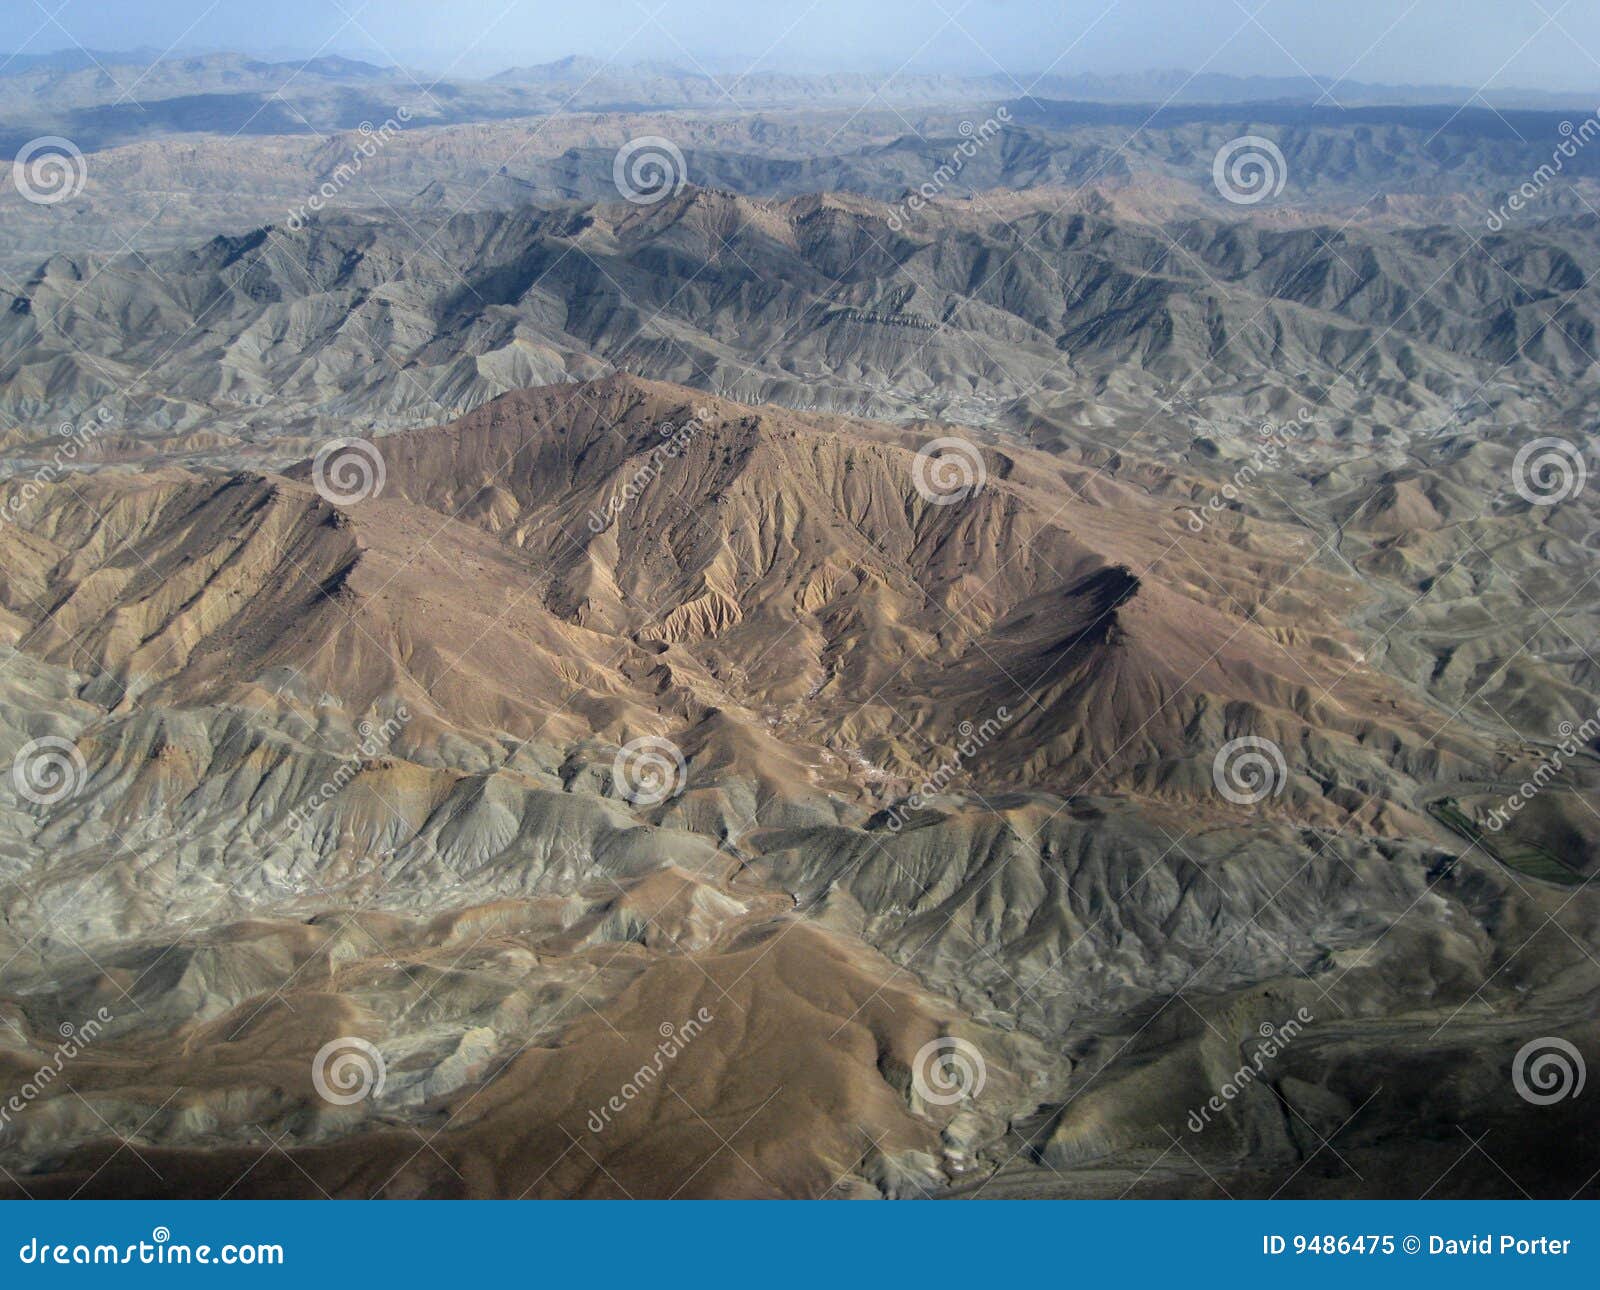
626 557
350 768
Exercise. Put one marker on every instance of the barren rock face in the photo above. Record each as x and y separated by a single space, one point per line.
770 692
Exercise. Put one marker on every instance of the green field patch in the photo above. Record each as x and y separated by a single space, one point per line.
1521 857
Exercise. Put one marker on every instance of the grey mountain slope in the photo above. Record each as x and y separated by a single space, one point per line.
349 321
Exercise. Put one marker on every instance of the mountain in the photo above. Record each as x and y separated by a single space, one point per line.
814 301
207 163
309 705
582 634
592 83
1358 397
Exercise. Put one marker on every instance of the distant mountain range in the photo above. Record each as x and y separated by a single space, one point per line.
593 82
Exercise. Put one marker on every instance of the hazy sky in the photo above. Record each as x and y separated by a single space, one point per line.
1543 44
